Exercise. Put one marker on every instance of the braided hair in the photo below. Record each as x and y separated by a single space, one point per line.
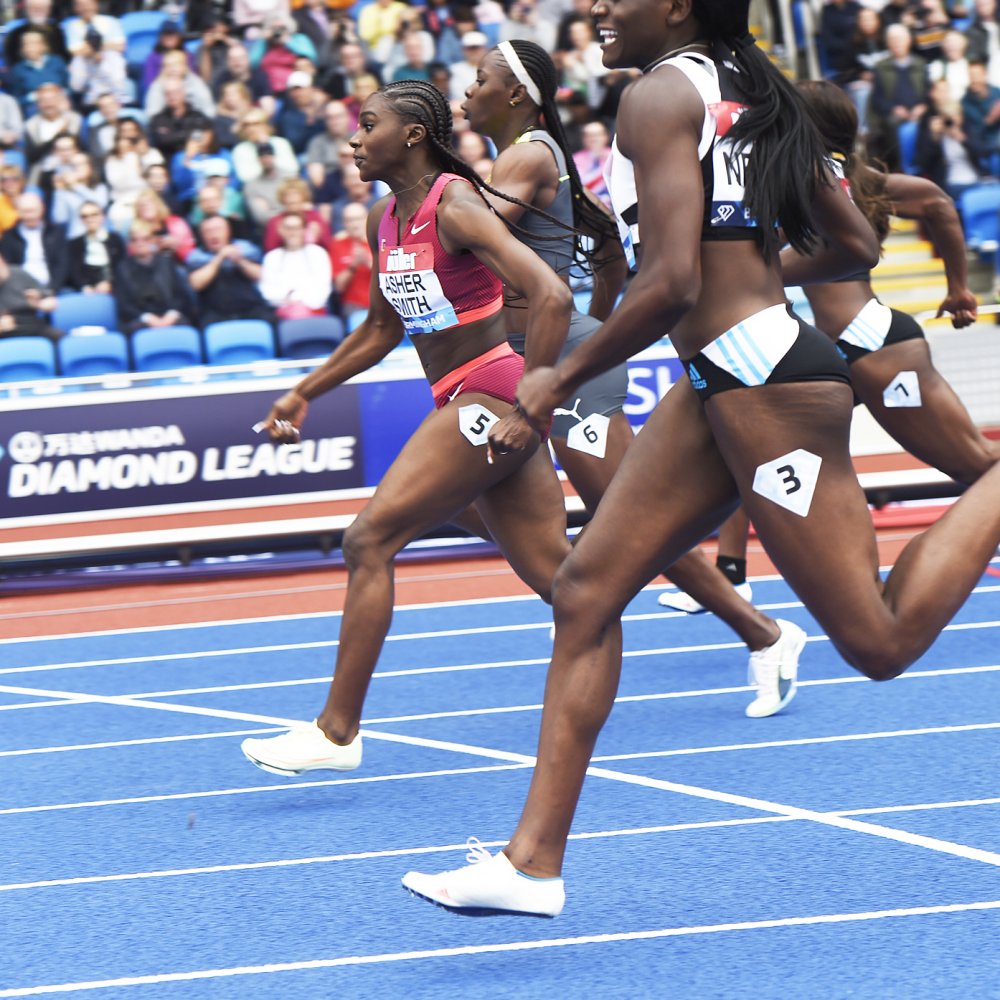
422 103
836 118
786 152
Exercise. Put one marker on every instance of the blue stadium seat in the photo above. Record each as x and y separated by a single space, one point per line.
157 349
312 337
139 45
980 211
101 354
76 309
26 358
136 21
907 134
238 342
356 319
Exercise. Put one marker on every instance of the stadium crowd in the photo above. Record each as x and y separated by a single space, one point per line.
199 170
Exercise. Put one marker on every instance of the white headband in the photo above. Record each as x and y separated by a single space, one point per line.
520 73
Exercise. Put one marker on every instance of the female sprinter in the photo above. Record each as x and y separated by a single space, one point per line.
442 255
890 361
764 415
546 206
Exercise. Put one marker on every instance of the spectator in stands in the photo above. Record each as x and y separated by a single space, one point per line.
170 39
380 23
125 169
176 69
37 66
96 70
11 187
239 70
252 14
102 124
88 17
42 175
899 95
582 65
95 253
981 109
440 76
35 244
149 289
339 80
590 160
463 73
261 194
218 198
438 21
200 157
415 64
946 153
170 128
294 197
73 188
301 116
351 259
952 67
295 277
364 86
157 176
233 103
837 25
11 122
322 157
984 39
213 49
173 235
355 190
22 297
314 20
255 130
37 16
225 274
278 52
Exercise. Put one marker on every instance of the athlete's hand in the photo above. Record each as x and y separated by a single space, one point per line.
538 395
511 433
286 417
963 307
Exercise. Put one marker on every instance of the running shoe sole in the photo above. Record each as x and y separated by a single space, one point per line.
475 911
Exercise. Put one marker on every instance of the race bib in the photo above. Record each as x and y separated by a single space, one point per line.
408 282
789 481
475 421
903 390
590 436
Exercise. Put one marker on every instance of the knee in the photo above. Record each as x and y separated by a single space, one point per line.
361 544
881 662
576 597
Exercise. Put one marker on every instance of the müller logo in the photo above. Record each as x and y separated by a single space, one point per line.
399 260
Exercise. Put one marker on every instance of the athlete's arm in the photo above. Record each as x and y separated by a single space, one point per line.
921 199
849 243
521 171
364 347
465 223
671 198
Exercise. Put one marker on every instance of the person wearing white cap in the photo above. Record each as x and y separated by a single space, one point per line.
463 73
301 116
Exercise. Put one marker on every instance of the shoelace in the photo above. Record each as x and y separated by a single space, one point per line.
477 853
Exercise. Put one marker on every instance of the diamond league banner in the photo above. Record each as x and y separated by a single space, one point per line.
184 446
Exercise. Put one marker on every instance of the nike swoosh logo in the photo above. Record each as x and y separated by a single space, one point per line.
458 389
416 229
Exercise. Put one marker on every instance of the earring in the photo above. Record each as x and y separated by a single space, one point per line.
512 103
409 144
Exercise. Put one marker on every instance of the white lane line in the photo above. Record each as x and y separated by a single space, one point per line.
417 851
159 658
759 805
258 789
507 947
150 741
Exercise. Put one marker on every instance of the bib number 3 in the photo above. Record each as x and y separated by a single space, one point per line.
789 481
475 421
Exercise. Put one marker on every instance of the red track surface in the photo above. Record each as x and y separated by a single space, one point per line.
110 607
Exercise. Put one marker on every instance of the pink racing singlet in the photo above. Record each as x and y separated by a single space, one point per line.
429 288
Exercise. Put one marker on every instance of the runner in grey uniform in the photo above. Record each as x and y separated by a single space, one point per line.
555 245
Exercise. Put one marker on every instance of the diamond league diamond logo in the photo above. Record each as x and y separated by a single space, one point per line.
26 447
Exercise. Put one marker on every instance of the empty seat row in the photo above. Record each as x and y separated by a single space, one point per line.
235 342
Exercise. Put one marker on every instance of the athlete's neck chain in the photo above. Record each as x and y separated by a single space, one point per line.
690 47
419 180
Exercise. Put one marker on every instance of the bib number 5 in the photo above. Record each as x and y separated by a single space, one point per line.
475 421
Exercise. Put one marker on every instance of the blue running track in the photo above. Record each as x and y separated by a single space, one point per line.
849 847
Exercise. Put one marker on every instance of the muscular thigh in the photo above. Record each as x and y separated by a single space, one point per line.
788 448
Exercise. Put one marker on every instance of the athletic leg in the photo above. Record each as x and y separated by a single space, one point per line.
590 475
939 431
829 556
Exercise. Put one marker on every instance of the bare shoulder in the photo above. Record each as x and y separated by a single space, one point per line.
657 107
